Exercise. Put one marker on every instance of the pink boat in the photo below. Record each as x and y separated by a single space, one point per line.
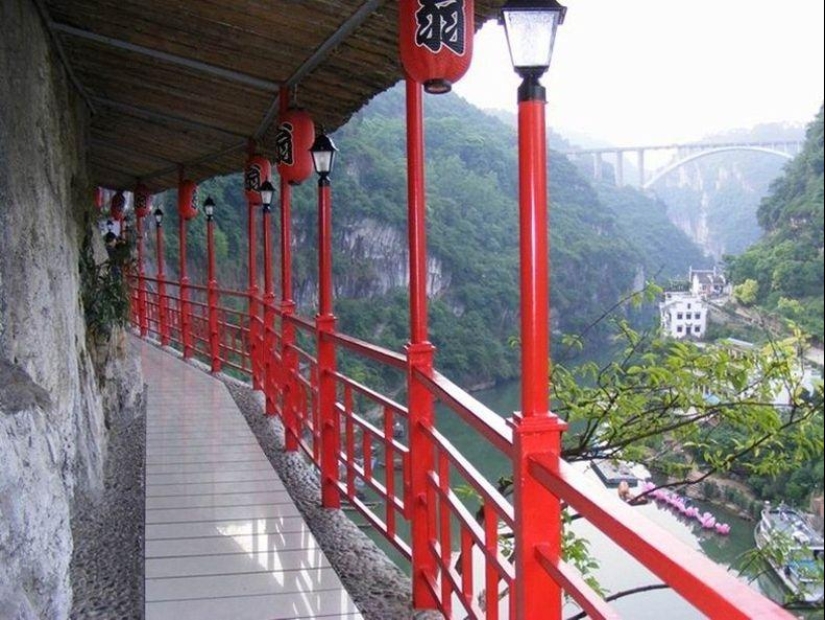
723 529
706 520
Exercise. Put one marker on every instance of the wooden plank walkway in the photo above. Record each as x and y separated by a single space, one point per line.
223 538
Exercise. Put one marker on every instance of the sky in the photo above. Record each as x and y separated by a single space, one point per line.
660 71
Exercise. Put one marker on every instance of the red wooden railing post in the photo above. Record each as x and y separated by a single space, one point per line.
267 367
212 294
143 319
163 319
420 354
535 430
289 359
325 324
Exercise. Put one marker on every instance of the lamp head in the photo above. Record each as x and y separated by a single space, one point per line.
266 191
209 208
530 26
323 155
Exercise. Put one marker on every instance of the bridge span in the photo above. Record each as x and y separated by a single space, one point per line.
684 153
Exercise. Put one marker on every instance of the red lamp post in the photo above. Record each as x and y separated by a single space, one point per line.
531 27
420 352
258 170
212 287
294 138
187 209
323 157
163 324
268 368
143 206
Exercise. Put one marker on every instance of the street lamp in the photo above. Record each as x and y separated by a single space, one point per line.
323 156
530 26
163 326
211 286
209 208
266 191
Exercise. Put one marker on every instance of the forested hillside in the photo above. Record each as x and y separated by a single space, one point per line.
600 245
714 199
783 273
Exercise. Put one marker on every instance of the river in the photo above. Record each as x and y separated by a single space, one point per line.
617 570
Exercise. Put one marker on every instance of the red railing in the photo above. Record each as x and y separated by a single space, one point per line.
361 446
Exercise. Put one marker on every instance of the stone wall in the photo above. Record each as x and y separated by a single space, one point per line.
52 413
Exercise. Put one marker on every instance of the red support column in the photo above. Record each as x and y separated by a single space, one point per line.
212 293
419 358
185 319
289 359
162 305
325 324
535 429
252 292
267 367
143 319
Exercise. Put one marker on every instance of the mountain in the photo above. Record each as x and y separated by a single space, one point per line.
599 247
787 264
714 199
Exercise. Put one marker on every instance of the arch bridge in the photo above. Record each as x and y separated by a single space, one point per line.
684 153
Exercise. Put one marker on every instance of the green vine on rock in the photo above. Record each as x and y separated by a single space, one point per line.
104 291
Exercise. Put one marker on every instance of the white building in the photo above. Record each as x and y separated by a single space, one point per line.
707 282
683 315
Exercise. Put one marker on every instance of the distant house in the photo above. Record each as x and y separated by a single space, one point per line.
683 315
707 282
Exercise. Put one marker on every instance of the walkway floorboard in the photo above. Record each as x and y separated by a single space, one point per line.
223 538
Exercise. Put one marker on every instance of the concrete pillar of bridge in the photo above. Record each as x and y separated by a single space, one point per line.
619 174
597 166
640 154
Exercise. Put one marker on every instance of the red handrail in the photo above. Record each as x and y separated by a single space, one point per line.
295 391
702 582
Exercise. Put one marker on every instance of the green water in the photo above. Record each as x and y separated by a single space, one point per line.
618 571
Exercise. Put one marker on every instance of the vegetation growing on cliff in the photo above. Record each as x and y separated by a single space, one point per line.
783 273
596 250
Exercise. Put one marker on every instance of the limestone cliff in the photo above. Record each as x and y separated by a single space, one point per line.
52 411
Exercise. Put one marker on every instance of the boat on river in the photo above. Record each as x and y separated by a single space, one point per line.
794 551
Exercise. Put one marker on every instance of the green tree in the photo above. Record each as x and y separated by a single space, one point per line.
747 292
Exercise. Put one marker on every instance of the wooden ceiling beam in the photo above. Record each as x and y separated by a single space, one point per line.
343 31
149 115
189 63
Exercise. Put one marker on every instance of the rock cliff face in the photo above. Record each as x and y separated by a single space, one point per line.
52 414
377 262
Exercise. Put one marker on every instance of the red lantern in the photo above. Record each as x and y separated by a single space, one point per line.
295 135
187 199
99 198
258 169
436 39
143 200
117 206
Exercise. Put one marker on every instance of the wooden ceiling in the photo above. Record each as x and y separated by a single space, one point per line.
188 83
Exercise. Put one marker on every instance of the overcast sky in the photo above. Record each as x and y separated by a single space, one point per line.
658 71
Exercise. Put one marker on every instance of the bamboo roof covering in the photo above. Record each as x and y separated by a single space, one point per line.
188 83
